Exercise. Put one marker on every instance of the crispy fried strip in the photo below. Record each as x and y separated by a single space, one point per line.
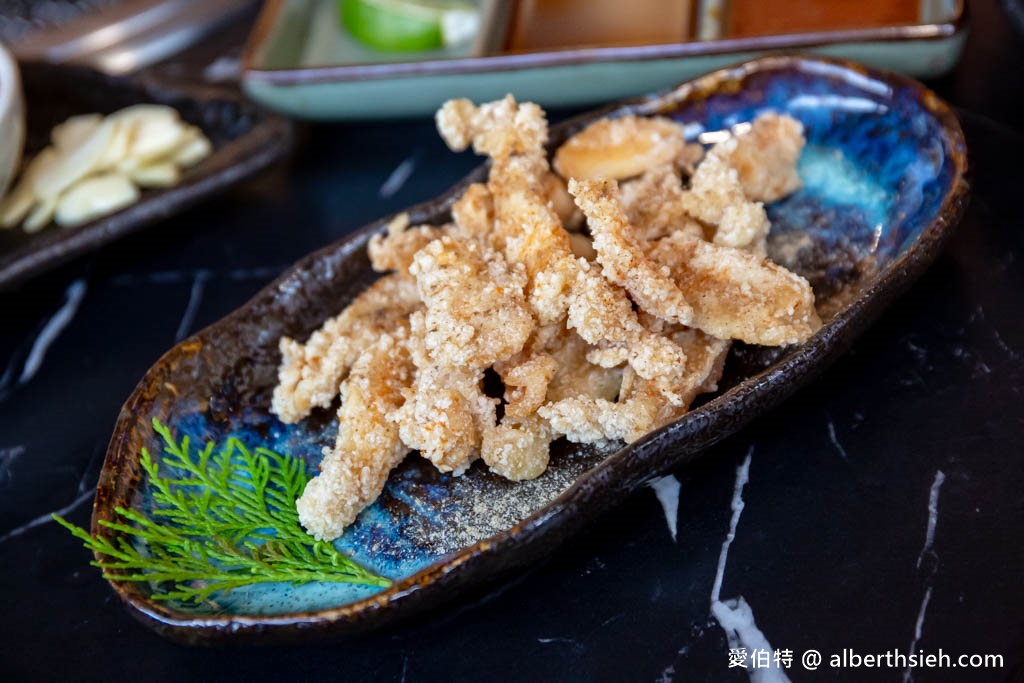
527 226
621 256
642 406
498 129
604 316
716 197
476 312
765 157
619 148
737 295
505 286
653 205
526 382
530 232
353 473
442 416
518 448
310 374
475 315
394 250
473 214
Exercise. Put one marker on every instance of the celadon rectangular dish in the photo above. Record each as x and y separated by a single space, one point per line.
300 62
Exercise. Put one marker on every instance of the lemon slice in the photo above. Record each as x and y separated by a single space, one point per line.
409 25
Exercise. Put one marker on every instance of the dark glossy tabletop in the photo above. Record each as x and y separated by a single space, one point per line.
884 508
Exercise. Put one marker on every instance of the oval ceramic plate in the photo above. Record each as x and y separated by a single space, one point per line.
245 140
883 186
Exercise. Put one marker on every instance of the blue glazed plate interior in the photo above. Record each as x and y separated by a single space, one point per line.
875 171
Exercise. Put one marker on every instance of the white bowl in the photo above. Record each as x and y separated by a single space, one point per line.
12 119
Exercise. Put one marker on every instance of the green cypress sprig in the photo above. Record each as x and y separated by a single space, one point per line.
221 519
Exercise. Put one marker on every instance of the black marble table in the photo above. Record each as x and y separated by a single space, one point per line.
884 507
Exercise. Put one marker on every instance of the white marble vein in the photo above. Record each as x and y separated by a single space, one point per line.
54 326
933 515
667 490
835 440
737 620
85 491
996 337
908 674
47 518
398 177
195 296
256 273
735 616
742 477
7 457
929 540
575 645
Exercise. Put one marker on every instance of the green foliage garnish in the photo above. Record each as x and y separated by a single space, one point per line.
220 521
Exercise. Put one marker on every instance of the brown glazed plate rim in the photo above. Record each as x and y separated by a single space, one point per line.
617 475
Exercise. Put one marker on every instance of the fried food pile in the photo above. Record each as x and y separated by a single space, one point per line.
604 293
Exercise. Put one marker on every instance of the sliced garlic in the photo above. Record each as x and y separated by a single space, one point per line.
41 215
96 165
155 137
117 150
74 164
20 200
94 197
136 112
162 174
73 132
196 148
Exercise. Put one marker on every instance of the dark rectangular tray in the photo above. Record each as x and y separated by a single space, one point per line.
245 139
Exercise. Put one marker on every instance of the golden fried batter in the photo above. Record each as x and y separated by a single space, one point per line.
653 205
518 448
473 214
475 315
354 472
310 374
497 129
598 335
622 258
394 251
526 382
765 157
736 295
619 148
642 406
716 197
442 415
476 312
603 315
